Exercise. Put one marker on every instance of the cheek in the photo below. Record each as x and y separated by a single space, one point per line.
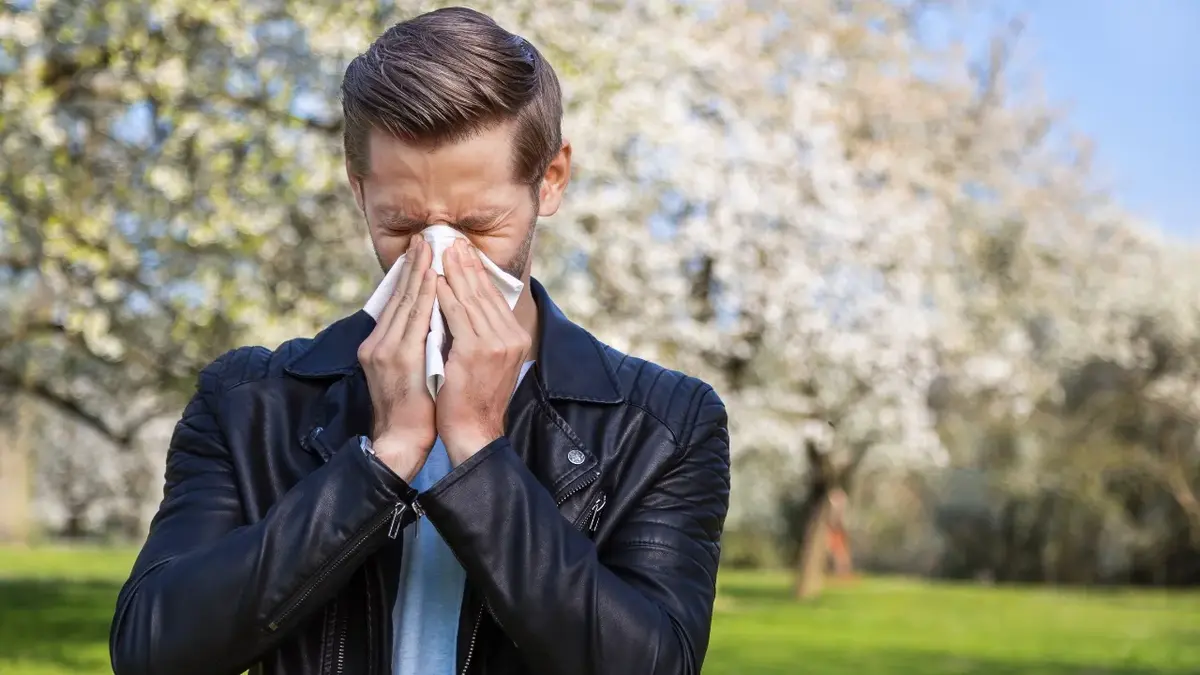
389 247
506 244
500 250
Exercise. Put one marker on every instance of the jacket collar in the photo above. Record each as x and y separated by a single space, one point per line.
571 363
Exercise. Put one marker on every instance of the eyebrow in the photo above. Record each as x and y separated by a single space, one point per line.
478 220
393 218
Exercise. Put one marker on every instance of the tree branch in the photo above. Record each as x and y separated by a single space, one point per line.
67 406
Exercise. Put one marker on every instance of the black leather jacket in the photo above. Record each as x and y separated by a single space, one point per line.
589 533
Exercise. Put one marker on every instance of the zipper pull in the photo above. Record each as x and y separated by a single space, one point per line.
594 522
394 529
420 513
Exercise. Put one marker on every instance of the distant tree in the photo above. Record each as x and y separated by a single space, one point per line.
811 204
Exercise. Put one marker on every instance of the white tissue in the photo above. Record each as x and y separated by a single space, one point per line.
440 237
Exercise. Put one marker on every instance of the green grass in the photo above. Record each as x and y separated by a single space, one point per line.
55 605
902 627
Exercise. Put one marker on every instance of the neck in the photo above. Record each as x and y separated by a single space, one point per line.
527 316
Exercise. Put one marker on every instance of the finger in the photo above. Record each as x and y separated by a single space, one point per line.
462 283
421 257
503 319
389 310
465 286
491 301
417 328
418 263
456 315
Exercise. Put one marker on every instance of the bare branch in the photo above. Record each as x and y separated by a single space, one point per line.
68 406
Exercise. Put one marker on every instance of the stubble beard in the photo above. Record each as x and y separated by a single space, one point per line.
519 264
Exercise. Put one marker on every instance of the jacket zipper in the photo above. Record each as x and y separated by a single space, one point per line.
341 650
587 480
474 637
590 516
394 528
593 514
306 590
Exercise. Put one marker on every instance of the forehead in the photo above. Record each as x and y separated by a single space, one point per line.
479 168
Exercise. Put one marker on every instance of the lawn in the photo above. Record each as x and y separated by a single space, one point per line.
55 605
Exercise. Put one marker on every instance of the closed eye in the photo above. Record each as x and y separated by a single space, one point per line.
483 222
398 224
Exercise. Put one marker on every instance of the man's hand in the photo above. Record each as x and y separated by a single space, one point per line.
393 358
486 355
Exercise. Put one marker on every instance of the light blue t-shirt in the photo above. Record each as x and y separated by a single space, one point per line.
432 581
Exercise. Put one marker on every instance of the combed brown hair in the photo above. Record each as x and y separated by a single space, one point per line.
446 75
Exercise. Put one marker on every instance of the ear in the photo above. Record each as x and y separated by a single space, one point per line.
554 183
356 187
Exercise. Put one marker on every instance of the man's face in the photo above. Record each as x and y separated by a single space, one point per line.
469 185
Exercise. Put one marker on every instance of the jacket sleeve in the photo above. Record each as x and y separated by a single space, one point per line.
209 592
642 605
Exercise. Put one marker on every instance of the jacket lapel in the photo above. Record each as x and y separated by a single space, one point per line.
343 410
342 413
544 441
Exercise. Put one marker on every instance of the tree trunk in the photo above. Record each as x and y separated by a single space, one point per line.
76 526
128 521
823 478
15 476
811 563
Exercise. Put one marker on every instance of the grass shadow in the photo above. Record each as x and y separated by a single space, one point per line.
58 622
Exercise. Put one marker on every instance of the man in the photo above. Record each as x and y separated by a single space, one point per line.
324 513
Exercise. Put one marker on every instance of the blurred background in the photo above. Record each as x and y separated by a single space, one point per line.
939 258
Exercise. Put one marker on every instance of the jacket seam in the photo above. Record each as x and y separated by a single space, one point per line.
123 609
647 543
676 438
326 564
214 409
659 546
655 416
698 397
262 377
241 383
